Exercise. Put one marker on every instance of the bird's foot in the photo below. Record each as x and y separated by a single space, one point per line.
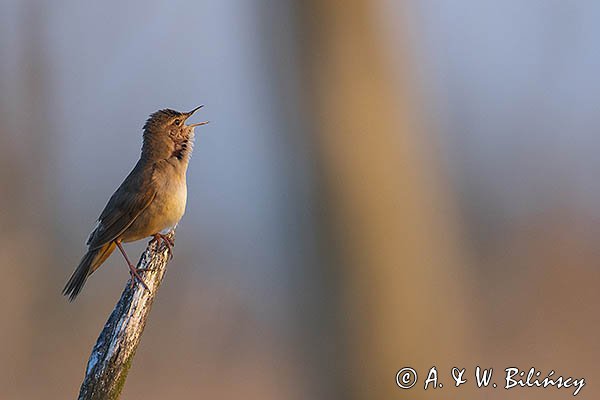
169 242
135 276
133 272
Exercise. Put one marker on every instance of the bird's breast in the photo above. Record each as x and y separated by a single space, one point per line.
164 212
171 201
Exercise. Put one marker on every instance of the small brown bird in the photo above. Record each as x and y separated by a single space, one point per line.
150 200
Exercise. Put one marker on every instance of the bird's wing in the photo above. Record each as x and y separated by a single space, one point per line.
136 193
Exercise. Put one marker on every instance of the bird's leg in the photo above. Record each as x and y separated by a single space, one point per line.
158 237
132 270
166 240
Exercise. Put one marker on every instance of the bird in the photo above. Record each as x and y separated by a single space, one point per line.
150 201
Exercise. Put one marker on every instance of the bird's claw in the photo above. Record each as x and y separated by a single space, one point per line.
133 272
168 241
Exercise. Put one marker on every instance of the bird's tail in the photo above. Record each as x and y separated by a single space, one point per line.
88 264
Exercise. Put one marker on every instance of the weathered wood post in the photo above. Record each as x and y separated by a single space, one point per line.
113 353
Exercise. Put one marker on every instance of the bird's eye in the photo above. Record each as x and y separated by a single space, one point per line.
177 122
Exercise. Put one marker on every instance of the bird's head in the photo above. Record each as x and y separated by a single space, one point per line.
166 135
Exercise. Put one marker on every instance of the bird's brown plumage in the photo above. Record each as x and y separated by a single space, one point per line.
150 199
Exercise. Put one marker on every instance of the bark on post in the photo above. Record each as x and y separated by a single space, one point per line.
113 353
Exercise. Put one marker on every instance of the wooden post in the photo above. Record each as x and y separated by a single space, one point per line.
113 353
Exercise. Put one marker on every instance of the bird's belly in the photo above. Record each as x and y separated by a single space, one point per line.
164 212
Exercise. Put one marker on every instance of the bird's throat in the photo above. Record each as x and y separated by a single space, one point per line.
182 150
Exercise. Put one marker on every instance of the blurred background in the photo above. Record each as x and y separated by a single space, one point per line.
383 184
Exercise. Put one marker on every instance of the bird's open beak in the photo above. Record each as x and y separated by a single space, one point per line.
199 123
189 114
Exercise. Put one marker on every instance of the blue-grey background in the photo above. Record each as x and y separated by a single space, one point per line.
265 297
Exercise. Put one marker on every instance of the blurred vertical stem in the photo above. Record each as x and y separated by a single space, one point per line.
115 348
390 221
